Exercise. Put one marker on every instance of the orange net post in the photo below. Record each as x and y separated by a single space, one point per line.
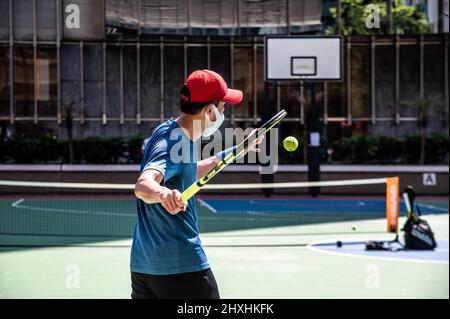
392 204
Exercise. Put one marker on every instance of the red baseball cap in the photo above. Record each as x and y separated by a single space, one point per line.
208 86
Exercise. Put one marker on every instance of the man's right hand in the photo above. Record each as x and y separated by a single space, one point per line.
149 190
171 200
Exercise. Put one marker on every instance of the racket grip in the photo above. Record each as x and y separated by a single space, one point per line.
189 192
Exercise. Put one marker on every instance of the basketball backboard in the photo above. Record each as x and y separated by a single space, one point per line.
305 58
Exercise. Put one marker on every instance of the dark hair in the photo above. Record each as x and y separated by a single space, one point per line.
188 107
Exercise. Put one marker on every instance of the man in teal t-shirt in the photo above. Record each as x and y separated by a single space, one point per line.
167 257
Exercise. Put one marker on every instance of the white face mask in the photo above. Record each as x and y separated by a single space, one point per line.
211 127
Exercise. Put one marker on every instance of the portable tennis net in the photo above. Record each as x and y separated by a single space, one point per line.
108 211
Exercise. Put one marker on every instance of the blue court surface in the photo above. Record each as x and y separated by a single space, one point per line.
297 204
287 215
357 249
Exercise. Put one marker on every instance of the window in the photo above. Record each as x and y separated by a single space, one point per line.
23 19
46 19
173 79
70 79
46 81
4 20
24 80
360 73
150 76
5 86
129 81
243 80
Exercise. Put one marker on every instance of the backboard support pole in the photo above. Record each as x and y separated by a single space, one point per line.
307 60
313 129
266 178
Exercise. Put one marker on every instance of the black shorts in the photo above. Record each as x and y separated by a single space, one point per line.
191 285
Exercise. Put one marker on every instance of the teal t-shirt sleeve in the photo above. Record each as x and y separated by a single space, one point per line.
158 158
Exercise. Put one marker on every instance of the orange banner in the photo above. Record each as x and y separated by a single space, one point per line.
392 204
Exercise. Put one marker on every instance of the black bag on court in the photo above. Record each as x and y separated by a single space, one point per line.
418 235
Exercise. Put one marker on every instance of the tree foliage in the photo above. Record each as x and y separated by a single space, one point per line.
406 19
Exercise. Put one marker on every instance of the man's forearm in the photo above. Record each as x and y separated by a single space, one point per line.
204 166
149 191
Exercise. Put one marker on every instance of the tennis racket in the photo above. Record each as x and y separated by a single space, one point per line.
240 149
407 205
408 198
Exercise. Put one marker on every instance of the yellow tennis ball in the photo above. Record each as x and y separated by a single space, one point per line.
290 143
353 227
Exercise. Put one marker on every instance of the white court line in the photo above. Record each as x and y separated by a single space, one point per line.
202 202
67 185
433 207
343 254
252 219
264 218
17 204
250 212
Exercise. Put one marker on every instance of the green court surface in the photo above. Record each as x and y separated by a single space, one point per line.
265 261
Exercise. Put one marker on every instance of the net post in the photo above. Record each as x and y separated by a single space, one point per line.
392 204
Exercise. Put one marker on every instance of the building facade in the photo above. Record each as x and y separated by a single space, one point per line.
122 75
